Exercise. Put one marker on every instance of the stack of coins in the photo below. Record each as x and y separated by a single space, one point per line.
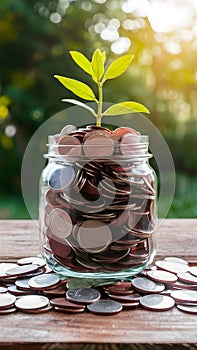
99 200
27 289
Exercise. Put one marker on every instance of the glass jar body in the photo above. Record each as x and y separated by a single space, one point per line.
98 214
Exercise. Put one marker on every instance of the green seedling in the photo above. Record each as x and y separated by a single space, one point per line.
99 73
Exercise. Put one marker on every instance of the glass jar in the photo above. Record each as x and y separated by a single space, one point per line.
98 209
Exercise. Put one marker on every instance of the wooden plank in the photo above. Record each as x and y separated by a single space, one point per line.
55 330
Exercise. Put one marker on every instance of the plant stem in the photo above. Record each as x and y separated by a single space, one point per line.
100 104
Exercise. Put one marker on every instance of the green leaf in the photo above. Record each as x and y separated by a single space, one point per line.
126 108
97 65
77 87
81 104
118 67
82 61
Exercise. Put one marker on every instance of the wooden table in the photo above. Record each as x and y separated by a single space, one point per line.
52 331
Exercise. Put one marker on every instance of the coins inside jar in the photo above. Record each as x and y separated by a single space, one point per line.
100 201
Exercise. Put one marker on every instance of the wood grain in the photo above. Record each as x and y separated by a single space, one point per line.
53 330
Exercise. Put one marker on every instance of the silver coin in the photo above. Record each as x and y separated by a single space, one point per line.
105 307
22 270
187 277
94 236
157 302
6 300
26 261
60 223
66 130
38 311
43 281
193 270
190 309
184 295
7 311
15 291
3 289
83 295
162 276
172 267
145 285
174 259
4 267
30 302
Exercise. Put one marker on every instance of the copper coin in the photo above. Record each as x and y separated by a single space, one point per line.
22 270
123 288
43 281
133 298
157 302
193 270
105 307
174 259
124 130
144 285
3 289
63 303
187 277
172 267
68 310
128 144
69 146
6 300
55 292
4 267
161 276
94 236
98 146
184 295
61 178
83 295
60 223
52 198
60 248
186 308
31 302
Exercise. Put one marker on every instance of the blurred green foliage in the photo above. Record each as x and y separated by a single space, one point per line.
35 37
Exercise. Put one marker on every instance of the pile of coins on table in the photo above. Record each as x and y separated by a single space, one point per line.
98 200
30 286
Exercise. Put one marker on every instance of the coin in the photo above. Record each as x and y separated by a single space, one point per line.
68 310
30 302
105 307
38 311
26 261
66 130
186 308
22 270
7 311
157 302
83 295
3 289
175 260
172 267
43 281
4 267
69 146
132 298
181 296
123 288
14 290
162 276
144 285
98 146
63 303
60 223
6 300
55 292
187 277
193 270
129 306
94 236
61 178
